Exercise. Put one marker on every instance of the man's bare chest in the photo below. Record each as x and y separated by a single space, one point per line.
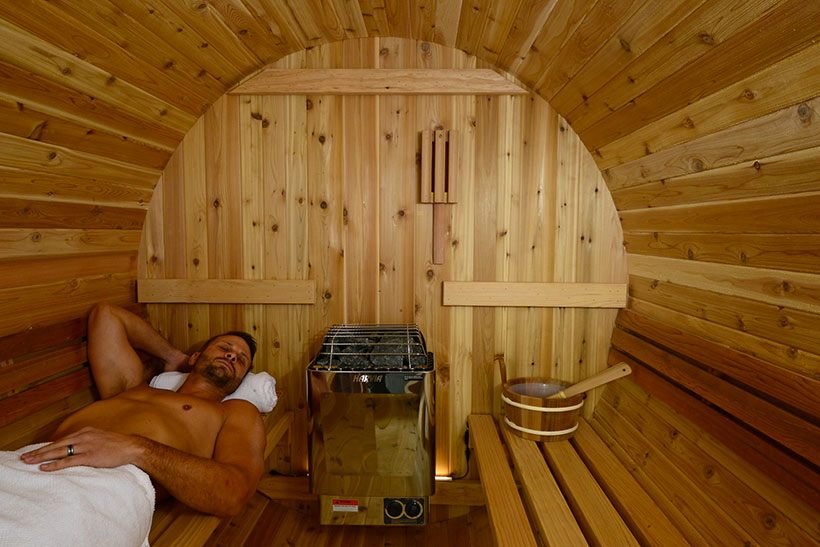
187 423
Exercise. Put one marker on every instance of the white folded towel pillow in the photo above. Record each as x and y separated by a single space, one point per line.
258 388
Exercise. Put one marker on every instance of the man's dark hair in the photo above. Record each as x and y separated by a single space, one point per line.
250 340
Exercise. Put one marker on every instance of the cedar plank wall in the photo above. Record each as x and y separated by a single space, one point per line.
702 116
326 188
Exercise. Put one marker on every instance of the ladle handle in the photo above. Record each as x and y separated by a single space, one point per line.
500 360
603 377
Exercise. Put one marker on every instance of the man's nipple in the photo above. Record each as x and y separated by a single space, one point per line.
186 407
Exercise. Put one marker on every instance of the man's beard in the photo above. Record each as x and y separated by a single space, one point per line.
216 374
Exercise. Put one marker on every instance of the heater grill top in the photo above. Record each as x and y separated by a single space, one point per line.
373 347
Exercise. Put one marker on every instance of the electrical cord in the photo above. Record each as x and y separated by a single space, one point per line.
466 452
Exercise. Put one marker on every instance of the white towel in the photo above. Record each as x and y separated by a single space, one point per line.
259 388
74 506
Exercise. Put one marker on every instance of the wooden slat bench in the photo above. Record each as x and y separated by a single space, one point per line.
568 491
636 473
45 377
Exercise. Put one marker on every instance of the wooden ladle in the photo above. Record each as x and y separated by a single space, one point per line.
603 377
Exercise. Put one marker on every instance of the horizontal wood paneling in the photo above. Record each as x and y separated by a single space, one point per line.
791 289
40 270
24 121
792 173
41 305
778 215
36 156
50 214
21 183
787 130
795 390
25 242
704 29
790 252
644 423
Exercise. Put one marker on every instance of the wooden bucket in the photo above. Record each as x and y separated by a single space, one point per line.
529 414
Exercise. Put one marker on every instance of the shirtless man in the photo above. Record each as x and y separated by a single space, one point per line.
205 453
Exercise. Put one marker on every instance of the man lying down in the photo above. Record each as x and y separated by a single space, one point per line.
204 452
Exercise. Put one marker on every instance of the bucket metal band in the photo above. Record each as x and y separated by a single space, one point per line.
538 431
542 408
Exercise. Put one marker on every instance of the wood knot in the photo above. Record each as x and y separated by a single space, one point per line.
35 237
625 45
265 123
327 295
308 104
323 204
216 204
384 52
430 274
274 228
196 262
276 344
706 38
804 112
321 139
256 115
756 165
425 46
401 212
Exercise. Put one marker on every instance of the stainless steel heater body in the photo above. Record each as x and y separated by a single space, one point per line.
371 394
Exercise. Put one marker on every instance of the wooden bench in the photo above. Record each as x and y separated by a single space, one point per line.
45 377
636 473
575 492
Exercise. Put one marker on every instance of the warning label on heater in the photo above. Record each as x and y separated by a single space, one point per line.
346 506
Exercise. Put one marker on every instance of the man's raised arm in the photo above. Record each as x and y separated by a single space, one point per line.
113 334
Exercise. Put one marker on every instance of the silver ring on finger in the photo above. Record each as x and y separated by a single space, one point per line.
70 450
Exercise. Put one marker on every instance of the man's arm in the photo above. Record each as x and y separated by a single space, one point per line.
220 486
113 333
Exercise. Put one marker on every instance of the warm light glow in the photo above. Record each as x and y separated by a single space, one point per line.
444 478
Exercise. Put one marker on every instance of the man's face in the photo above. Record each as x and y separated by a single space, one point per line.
224 362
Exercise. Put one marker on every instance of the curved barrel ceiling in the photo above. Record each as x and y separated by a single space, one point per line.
701 115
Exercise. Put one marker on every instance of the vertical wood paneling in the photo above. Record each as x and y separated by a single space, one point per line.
326 188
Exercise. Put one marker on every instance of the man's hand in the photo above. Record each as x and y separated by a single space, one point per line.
91 447
179 363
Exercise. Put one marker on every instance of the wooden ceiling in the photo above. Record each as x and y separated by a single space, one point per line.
125 79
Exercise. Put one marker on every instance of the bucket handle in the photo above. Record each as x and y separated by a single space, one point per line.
500 360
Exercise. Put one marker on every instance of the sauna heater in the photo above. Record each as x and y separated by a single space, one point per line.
371 395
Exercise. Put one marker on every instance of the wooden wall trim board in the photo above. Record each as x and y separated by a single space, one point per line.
226 291
503 293
381 81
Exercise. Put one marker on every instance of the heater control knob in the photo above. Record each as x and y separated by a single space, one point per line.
394 509
412 509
